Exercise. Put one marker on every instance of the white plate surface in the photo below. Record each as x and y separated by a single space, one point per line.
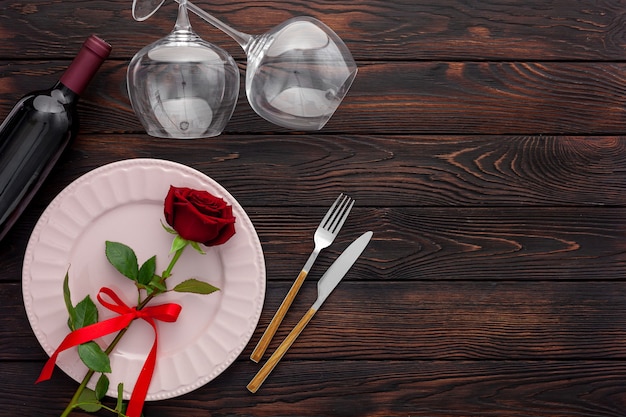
123 202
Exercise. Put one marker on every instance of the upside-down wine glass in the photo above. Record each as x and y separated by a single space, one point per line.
297 73
182 86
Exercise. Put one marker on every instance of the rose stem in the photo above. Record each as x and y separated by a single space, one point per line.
118 337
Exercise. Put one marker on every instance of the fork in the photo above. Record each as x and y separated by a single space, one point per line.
324 235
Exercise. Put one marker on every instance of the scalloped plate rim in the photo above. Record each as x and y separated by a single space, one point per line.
247 232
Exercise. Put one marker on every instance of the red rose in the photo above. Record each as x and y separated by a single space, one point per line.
199 216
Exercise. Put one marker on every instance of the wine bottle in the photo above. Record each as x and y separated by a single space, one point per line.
39 128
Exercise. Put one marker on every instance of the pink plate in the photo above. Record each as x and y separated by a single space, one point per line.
123 202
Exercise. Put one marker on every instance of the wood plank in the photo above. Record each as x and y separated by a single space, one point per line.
400 97
436 244
379 171
385 29
419 320
369 388
408 171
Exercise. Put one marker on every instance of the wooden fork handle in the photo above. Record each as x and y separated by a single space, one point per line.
269 333
271 363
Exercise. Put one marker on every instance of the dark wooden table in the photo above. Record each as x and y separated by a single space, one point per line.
485 144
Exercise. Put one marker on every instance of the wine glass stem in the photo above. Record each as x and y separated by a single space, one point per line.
243 39
182 21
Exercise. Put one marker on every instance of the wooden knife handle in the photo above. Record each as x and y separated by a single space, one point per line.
271 363
269 333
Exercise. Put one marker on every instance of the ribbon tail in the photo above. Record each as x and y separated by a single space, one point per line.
83 335
140 391
48 368
168 313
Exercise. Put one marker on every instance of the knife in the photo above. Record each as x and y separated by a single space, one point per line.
325 286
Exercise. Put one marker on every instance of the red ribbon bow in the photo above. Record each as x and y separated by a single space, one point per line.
165 312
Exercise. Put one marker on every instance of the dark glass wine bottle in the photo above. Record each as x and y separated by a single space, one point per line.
38 129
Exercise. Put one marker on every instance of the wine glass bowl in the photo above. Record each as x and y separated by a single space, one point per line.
298 73
182 86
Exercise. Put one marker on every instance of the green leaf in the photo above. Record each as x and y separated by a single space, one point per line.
195 286
178 243
68 302
123 259
87 401
85 313
146 272
93 357
102 386
168 229
197 247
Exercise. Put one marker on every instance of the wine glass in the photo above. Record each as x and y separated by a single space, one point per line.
182 86
298 73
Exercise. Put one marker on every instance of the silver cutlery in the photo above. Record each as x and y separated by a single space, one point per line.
325 286
324 235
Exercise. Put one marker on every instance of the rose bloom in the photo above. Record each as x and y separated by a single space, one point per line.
199 216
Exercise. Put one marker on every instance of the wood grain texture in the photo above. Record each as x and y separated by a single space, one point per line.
398 98
421 320
381 171
393 30
377 388
439 244
484 143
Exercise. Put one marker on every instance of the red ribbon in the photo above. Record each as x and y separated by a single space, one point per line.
166 312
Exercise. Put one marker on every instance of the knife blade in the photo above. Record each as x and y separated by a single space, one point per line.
333 275
326 284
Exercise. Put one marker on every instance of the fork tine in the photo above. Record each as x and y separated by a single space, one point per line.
330 225
341 219
331 210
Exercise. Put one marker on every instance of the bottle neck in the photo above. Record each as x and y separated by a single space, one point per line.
63 94
85 65
58 99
